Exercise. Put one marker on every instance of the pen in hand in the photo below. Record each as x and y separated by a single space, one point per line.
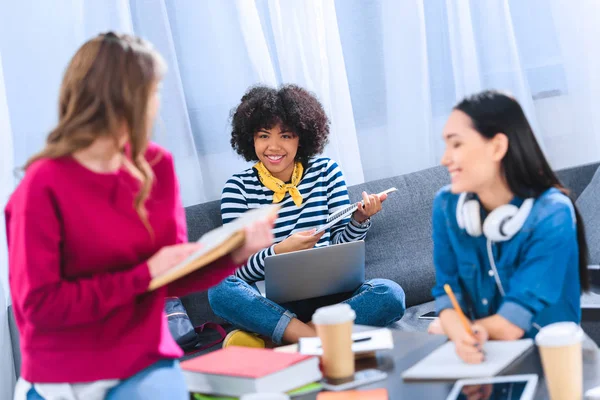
461 315
464 320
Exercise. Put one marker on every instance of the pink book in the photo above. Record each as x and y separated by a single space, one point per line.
235 371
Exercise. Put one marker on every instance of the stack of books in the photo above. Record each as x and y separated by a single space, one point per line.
235 371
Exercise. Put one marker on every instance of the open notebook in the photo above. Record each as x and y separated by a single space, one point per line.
444 364
216 244
363 342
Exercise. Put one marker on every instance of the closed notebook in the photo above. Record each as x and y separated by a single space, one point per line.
444 364
376 394
235 371
310 388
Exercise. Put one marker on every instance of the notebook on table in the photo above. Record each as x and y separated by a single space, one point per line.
363 342
444 364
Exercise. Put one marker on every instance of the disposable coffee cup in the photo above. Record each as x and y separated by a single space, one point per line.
334 327
560 350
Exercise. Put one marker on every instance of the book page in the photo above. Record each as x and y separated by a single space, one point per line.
229 235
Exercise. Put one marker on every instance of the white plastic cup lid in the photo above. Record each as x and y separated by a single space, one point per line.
335 314
559 334
265 396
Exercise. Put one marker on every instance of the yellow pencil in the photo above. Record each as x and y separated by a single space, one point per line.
458 310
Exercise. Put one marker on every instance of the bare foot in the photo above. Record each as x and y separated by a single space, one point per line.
269 344
297 329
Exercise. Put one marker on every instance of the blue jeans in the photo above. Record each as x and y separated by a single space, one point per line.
377 302
162 380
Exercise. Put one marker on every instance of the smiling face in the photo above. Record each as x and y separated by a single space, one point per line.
473 161
276 148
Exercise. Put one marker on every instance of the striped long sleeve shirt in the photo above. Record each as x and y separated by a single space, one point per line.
323 191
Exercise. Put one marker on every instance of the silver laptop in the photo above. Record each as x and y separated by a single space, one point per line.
315 272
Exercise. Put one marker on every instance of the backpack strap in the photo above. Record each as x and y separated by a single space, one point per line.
209 325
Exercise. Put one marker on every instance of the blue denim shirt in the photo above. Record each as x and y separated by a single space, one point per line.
538 267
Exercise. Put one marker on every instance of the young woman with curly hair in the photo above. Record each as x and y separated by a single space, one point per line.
283 131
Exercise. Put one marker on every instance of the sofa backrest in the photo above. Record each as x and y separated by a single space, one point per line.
201 218
399 245
577 178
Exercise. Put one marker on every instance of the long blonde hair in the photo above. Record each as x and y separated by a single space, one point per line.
108 82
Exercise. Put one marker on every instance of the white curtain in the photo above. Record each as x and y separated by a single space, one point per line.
387 72
311 27
573 121
7 370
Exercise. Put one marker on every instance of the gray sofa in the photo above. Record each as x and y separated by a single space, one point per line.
398 246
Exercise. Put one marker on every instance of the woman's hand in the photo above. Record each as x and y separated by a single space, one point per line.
298 241
470 347
258 236
436 328
370 206
169 256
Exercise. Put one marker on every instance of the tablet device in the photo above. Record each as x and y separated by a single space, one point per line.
510 387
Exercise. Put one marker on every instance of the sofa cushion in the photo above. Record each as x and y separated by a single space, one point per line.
399 244
201 218
588 204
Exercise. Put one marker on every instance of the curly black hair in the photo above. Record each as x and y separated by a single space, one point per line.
295 108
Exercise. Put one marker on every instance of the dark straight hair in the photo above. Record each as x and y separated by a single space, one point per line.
525 167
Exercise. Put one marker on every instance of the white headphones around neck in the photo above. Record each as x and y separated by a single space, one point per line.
501 225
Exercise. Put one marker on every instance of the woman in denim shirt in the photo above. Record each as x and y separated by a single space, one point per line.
540 254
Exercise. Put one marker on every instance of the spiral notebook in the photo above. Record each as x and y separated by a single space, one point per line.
345 212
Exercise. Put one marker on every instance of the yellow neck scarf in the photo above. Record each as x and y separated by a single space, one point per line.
278 187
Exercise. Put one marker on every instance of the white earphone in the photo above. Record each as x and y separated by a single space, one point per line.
502 224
